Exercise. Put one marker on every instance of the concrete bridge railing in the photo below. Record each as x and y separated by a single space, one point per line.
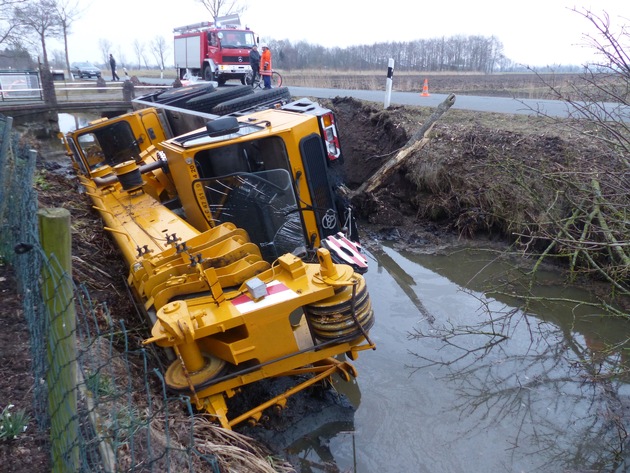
26 87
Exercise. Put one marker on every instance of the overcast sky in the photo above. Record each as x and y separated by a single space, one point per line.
533 32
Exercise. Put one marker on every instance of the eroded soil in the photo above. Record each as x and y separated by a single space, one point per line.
473 178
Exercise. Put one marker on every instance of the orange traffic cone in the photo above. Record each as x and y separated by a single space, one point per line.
425 88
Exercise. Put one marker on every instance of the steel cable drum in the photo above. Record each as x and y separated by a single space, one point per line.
332 318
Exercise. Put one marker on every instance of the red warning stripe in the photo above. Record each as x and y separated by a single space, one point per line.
276 293
346 250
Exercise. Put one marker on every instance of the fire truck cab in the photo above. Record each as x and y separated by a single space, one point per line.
214 51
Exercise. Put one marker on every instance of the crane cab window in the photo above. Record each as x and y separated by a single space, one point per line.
109 145
249 184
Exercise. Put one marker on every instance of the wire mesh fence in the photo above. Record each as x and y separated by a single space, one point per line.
95 386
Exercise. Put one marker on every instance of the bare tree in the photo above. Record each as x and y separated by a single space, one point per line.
68 11
39 19
593 234
606 80
7 25
219 8
456 53
58 58
105 46
138 49
159 47
121 58
580 216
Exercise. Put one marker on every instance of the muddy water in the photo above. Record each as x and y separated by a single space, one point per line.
540 395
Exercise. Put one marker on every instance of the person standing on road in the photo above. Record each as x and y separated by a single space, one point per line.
112 64
265 66
254 61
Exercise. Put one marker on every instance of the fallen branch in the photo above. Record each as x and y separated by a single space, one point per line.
416 142
92 267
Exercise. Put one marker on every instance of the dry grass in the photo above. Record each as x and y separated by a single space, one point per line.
522 85
163 433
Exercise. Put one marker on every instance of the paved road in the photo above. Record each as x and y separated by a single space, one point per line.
553 108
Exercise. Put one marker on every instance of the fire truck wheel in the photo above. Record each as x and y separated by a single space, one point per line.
264 97
205 102
207 74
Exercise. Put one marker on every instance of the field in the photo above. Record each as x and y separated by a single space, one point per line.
493 85
522 85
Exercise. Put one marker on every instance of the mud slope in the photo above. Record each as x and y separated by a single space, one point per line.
478 176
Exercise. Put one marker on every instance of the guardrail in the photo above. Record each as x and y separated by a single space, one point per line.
26 87
99 91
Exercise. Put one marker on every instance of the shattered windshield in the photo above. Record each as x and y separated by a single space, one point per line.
262 203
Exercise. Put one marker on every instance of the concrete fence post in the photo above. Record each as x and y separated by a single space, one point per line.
128 91
101 85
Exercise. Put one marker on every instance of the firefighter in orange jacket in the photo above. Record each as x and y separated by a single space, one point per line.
265 66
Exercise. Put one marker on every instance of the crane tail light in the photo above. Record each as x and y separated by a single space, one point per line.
330 136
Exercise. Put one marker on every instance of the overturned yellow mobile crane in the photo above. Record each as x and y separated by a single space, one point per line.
238 246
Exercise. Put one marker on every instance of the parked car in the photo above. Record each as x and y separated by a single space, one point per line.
84 69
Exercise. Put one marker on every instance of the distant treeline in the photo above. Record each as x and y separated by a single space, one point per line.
479 54
476 54
17 58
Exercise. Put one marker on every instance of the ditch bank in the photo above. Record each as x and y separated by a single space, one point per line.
480 177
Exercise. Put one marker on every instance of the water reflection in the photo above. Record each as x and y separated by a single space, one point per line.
556 374
70 122
403 279
315 452
487 387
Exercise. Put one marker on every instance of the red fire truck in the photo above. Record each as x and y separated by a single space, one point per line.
216 50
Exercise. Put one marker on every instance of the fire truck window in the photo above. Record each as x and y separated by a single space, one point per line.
231 40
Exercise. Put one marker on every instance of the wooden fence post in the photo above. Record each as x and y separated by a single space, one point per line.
58 292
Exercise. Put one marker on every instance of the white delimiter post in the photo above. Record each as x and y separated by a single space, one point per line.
388 85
